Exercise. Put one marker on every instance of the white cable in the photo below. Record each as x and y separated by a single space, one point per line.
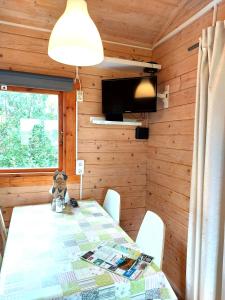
76 141
77 78
81 187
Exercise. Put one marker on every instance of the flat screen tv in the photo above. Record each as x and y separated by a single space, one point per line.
125 95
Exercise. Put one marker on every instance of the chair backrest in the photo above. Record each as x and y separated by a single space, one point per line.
112 204
151 237
3 232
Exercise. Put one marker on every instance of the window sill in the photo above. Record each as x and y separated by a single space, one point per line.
31 179
23 174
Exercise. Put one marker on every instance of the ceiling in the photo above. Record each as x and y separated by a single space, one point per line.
132 22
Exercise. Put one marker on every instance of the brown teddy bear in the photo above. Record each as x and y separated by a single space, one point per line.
59 191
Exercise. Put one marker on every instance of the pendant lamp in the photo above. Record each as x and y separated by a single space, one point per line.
75 39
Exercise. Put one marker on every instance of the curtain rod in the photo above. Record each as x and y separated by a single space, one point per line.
194 18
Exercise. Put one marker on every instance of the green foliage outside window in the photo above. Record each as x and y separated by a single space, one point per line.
28 130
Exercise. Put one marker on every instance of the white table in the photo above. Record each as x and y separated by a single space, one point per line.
42 258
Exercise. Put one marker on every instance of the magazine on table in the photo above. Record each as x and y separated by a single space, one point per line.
121 260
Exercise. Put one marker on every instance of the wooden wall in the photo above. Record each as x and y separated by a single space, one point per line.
170 145
113 158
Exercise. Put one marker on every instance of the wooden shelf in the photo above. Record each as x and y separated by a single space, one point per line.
103 121
126 65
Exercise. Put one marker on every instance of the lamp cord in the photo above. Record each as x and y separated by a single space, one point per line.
77 81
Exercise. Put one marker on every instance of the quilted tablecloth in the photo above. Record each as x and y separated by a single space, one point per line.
42 257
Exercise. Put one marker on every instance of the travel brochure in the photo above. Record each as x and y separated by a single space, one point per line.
119 259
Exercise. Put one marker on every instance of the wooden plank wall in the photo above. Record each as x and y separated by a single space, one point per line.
113 158
170 145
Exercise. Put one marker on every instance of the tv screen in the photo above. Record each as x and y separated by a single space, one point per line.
126 95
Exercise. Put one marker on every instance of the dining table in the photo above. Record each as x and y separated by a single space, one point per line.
42 258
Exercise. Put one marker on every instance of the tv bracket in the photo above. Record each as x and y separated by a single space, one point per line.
164 96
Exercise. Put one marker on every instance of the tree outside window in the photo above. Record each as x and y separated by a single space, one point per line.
29 130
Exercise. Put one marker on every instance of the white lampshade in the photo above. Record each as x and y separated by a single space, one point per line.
75 39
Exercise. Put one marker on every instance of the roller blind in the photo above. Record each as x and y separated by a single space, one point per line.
38 81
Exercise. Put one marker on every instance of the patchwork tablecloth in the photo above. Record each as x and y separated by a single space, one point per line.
42 257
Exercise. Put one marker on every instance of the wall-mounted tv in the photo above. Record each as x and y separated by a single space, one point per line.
124 95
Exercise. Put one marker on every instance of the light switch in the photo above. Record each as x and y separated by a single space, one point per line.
80 167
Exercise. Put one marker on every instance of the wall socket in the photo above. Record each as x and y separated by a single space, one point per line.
4 87
80 167
80 96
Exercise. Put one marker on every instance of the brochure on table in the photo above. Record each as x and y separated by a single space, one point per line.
119 259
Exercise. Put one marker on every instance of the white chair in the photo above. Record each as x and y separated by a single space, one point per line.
151 237
112 205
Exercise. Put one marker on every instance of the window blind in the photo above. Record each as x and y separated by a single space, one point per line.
38 81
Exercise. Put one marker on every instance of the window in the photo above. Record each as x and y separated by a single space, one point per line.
30 130
33 126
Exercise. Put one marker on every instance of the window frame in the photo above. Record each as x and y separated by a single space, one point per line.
66 141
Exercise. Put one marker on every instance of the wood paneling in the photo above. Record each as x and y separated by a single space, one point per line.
184 112
169 168
112 18
191 8
178 156
139 23
129 147
113 158
171 141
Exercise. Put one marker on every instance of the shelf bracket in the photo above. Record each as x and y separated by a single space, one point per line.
164 96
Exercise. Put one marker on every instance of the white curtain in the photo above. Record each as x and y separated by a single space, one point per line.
205 278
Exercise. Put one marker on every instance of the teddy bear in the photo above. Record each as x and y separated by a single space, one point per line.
59 191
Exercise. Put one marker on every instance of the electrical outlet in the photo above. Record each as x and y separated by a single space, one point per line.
80 167
4 87
80 96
